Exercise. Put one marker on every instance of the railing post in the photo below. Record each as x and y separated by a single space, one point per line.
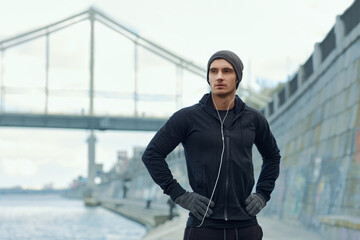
317 57
301 76
47 55
2 90
91 93
136 69
339 33
179 85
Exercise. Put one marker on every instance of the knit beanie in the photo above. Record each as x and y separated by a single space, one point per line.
233 59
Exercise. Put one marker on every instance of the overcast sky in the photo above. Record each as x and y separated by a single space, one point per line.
271 37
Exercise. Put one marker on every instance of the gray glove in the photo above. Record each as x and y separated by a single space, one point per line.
195 203
254 203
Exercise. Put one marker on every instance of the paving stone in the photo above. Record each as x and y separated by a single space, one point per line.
340 103
344 138
350 75
351 148
333 120
354 94
352 117
344 120
339 82
347 98
327 92
325 126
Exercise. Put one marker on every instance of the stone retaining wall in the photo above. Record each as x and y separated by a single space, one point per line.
316 124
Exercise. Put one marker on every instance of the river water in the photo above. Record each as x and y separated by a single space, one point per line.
45 217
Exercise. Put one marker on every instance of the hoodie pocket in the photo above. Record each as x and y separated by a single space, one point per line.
247 133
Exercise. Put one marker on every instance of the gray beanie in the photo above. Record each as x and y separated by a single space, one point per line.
233 59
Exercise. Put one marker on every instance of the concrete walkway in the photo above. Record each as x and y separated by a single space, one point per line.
154 217
136 211
273 230
280 230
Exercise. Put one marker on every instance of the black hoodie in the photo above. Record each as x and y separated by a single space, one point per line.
198 129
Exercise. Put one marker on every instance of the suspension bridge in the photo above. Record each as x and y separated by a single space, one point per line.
41 98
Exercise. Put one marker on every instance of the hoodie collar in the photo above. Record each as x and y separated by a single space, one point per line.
207 104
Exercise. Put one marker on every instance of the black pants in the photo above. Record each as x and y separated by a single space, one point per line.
253 232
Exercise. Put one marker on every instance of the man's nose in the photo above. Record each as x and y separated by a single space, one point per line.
219 76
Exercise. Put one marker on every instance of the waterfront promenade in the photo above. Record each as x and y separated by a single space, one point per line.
159 229
273 230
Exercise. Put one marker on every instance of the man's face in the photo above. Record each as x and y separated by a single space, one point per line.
222 78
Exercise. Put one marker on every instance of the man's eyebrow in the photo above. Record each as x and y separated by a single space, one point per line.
225 68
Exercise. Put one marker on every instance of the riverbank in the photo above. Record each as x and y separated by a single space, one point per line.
137 211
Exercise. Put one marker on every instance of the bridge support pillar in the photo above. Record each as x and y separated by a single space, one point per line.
91 157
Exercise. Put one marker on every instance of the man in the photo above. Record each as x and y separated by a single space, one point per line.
218 134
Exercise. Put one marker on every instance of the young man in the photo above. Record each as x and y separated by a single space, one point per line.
218 134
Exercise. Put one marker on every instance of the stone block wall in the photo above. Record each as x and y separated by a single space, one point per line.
317 128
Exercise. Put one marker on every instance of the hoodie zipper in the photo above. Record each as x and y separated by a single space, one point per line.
227 172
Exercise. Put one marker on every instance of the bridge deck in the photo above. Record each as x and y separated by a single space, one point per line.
81 122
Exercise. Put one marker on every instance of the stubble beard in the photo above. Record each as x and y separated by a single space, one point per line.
224 94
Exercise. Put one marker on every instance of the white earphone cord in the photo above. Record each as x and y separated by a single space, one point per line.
222 154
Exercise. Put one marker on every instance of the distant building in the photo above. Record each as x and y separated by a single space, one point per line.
48 186
122 162
136 162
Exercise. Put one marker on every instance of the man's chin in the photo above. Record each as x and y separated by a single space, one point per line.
222 93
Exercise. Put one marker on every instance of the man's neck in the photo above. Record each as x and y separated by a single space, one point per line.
222 103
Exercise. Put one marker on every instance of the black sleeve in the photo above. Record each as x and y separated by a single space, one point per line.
270 153
164 141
